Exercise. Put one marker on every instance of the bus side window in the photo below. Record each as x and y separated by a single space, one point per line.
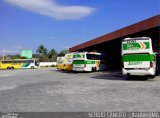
36 63
31 61
9 62
4 62
26 61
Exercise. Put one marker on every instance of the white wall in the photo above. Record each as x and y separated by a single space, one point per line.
47 63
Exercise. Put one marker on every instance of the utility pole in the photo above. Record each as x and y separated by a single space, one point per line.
3 52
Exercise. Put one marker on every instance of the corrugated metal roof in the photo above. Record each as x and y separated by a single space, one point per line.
132 29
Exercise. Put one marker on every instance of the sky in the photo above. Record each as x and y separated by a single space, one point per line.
60 24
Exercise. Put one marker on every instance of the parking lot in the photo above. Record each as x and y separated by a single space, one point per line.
49 90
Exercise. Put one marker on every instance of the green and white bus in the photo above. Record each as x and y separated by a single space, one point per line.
88 61
138 57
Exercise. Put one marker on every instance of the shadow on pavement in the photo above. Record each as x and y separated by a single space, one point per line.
69 72
111 75
108 75
117 75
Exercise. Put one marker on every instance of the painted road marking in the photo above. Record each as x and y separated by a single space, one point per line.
6 75
7 87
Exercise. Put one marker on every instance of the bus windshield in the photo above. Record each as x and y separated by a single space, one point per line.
95 57
60 60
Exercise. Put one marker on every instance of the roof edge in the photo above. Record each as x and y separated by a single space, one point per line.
134 28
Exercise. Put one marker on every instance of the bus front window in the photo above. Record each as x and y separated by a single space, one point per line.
36 63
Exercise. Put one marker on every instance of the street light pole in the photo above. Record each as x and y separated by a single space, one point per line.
3 53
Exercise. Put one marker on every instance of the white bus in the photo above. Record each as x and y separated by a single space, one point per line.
138 57
88 61
69 61
60 63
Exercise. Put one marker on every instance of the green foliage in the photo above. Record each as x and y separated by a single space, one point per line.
17 56
63 52
52 55
42 50
36 56
45 55
23 58
42 54
44 59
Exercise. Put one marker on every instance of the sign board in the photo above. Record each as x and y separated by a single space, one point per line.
27 54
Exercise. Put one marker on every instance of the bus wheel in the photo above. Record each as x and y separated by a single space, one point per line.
32 67
8 68
130 77
12 67
92 70
152 76
157 70
95 69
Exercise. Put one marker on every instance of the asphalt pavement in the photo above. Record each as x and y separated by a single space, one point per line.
49 90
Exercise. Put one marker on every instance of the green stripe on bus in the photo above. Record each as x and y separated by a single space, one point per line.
78 62
132 46
25 64
79 56
83 62
90 62
138 57
147 45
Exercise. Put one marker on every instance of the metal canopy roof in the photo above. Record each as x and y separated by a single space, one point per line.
132 29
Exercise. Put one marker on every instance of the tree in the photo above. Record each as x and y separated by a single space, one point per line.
43 59
52 55
42 50
36 56
17 56
63 52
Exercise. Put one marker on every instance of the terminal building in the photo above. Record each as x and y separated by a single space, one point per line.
110 44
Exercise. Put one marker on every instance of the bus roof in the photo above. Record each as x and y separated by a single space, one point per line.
18 59
88 52
137 38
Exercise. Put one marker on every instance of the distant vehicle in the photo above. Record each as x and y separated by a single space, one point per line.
138 57
68 62
19 63
88 61
60 63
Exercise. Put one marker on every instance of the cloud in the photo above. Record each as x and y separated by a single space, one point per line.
52 9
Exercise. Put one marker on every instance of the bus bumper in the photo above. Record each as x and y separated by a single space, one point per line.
140 72
80 69
69 68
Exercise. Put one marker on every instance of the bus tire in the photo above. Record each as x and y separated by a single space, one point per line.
144 78
8 67
152 76
74 71
12 67
157 70
32 67
129 77
95 69
92 70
